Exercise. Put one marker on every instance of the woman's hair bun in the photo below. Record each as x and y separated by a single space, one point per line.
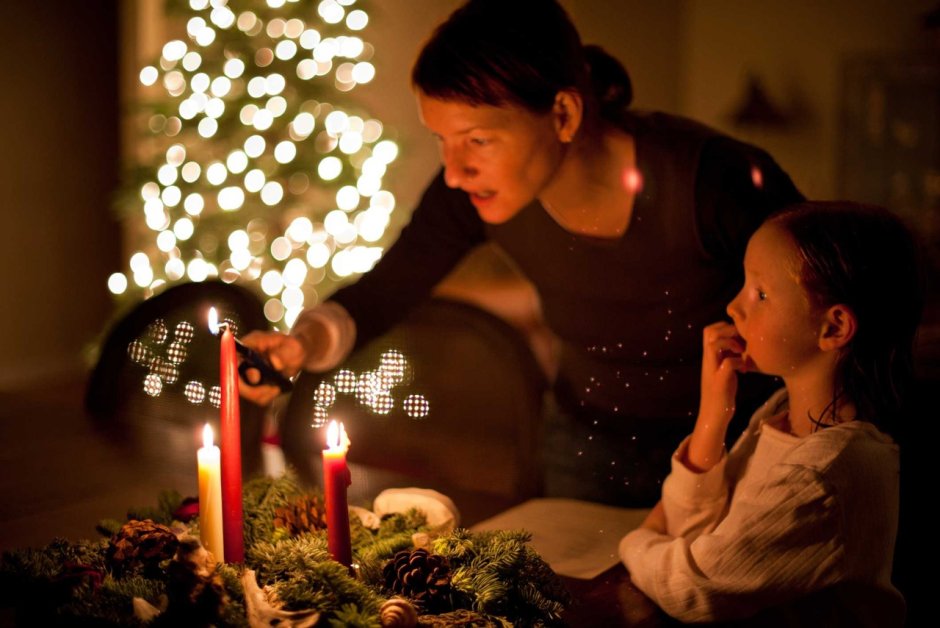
610 81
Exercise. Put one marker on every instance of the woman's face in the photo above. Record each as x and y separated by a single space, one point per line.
502 157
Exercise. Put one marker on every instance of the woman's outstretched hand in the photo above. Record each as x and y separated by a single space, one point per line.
285 353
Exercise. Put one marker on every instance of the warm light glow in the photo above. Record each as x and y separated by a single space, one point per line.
207 436
149 75
329 168
117 283
357 20
213 319
336 439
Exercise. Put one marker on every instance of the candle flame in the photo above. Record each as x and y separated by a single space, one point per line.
213 321
207 436
336 439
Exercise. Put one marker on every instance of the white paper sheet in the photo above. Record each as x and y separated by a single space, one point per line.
578 539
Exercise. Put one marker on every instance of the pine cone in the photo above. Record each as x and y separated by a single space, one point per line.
306 514
141 544
422 577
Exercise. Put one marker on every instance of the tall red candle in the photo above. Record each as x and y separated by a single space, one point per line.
230 423
336 479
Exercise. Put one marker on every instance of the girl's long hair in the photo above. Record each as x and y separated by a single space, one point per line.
863 256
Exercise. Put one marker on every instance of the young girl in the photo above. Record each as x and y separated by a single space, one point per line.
806 502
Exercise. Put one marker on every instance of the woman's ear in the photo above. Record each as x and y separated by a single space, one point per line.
568 112
838 327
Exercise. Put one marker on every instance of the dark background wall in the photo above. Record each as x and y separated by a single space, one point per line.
58 168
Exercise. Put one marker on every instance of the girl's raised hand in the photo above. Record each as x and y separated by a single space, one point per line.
722 359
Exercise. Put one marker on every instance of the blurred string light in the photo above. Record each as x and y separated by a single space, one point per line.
250 119
161 354
378 390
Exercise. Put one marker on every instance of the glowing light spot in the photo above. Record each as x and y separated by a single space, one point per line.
149 190
200 82
197 270
329 168
273 310
236 162
171 196
320 418
281 248
240 259
167 174
285 50
363 72
153 385
194 204
325 395
238 239
300 229
195 392
272 193
633 180
191 171
166 240
174 50
368 184
331 11
254 180
191 61
184 332
293 299
274 84
357 20
347 198
234 68
271 283
309 39
263 120
285 152
385 151
174 269
216 173
207 127
149 75
336 122
215 108
277 106
222 17
176 353
220 87
157 331
206 36
417 406
194 25
231 198
295 272
139 353
117 283
757 177
318 254
254 146
215 396
346 381
139 261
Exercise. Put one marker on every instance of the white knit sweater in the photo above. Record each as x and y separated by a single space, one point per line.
777 519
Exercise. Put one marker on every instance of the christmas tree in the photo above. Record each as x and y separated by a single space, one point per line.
255 166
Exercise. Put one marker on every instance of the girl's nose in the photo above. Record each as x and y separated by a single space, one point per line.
734 308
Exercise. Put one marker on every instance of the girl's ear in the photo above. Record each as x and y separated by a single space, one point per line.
568 113
838 327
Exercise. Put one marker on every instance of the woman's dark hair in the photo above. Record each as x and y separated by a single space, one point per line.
518 52
863 256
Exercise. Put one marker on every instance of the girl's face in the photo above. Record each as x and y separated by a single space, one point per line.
772 312
502 157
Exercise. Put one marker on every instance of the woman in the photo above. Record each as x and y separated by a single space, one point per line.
631 227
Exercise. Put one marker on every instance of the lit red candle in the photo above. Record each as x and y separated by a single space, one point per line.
230 424
336 480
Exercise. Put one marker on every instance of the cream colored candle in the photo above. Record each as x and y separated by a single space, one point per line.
210 496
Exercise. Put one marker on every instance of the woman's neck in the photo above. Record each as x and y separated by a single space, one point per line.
590 193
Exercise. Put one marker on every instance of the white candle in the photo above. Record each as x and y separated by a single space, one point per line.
210 496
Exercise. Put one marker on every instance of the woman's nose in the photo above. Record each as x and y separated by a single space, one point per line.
456 170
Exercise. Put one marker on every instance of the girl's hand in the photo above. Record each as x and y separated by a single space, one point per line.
722 359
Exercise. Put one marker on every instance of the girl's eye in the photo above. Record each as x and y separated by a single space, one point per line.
761 295
479 141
